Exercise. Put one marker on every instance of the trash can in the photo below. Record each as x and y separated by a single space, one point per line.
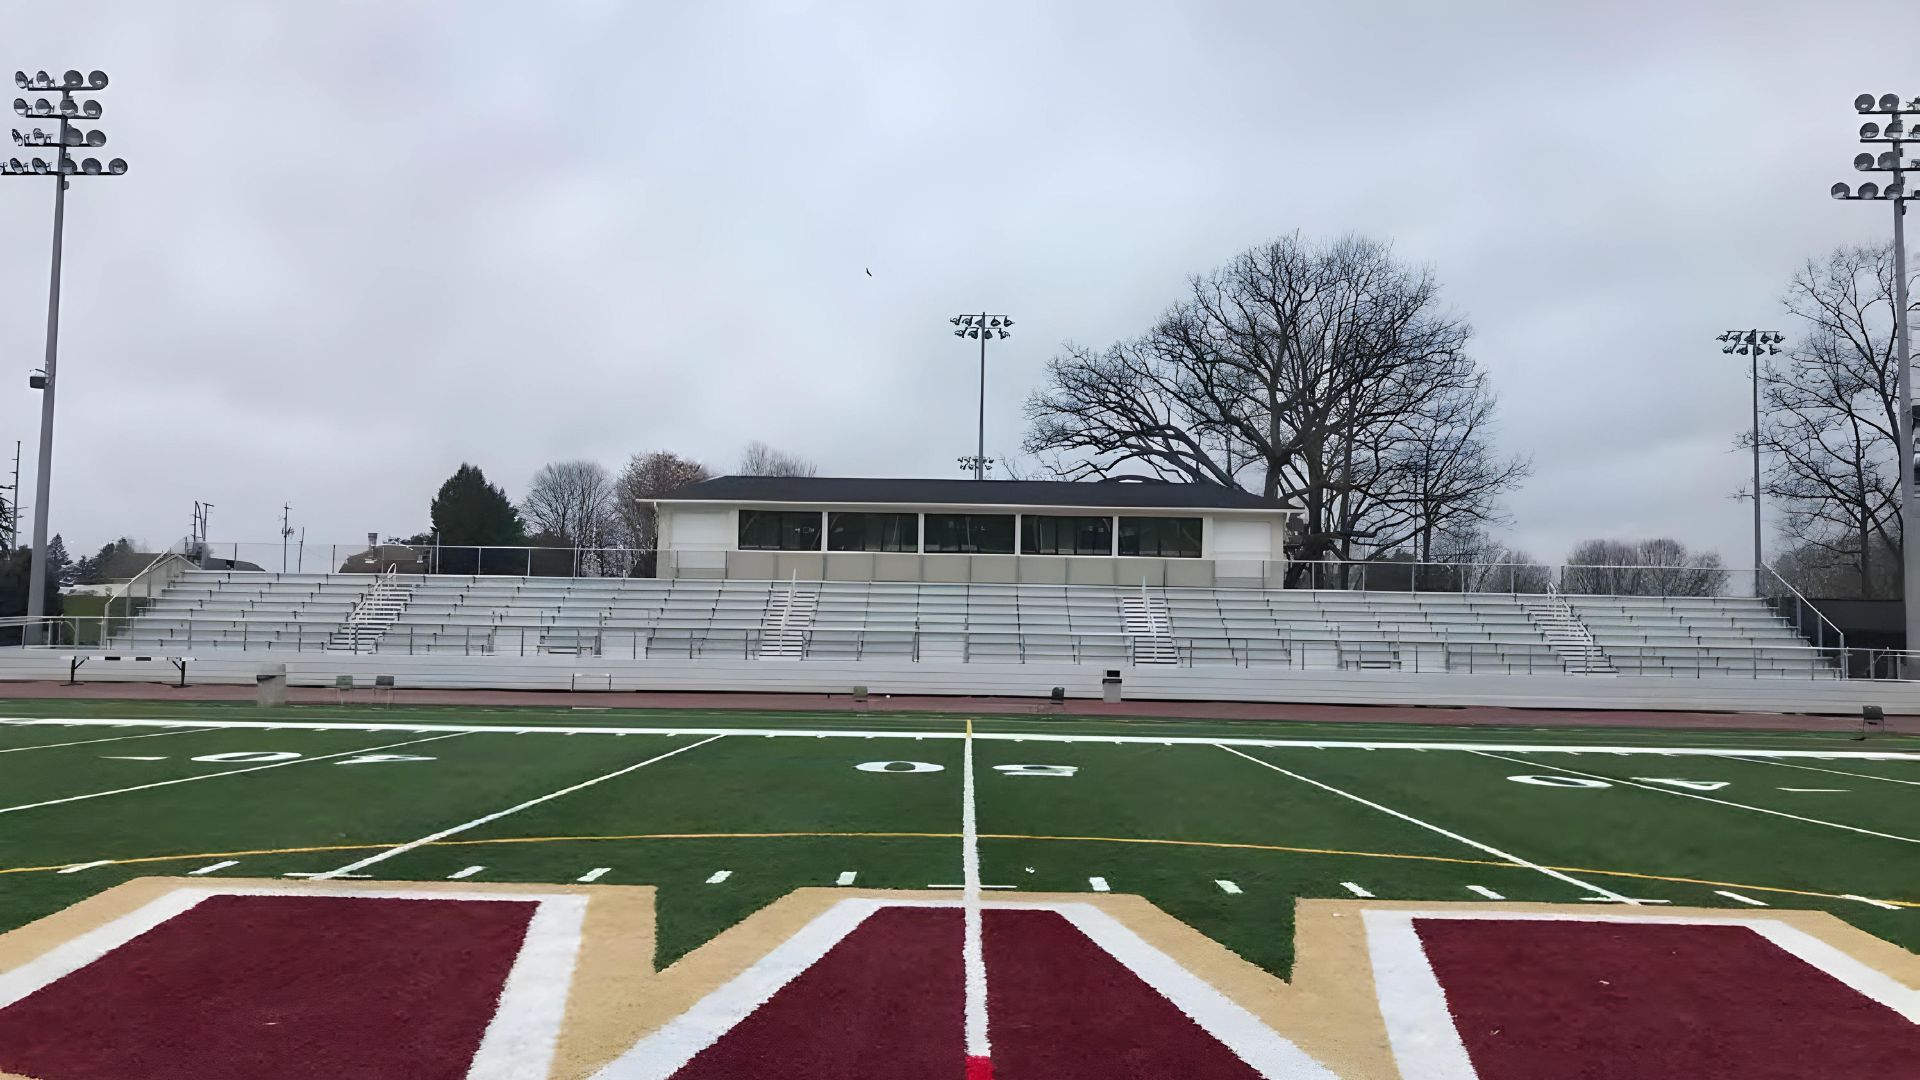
270 685
1110 686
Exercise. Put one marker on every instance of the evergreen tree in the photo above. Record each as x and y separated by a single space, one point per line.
16 569
59 564
469 513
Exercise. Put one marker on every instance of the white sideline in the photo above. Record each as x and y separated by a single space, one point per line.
1702 798
973 956
227 772
1155 740
1430 827
410 845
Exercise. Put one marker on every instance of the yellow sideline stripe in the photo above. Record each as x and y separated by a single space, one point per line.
955 836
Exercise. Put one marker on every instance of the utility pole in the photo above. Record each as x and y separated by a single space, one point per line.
286 530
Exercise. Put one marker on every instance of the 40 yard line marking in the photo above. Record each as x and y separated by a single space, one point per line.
1702 798
410 845
1516 860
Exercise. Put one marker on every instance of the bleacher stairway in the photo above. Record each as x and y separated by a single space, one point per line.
372 617
1149 631
1569 636
783 630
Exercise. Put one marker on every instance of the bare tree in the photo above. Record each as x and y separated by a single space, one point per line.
1642 568
572 502
1831 429
1323 374
645 478
763 460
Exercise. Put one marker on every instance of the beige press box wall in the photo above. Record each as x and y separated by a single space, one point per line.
1244 551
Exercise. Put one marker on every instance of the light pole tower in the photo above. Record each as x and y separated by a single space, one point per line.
1896 135
983 327
1752 344
69 135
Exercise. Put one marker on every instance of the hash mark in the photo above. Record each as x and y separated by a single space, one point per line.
594 874
211 867
1839 790
1356 890
719 876
1484 891
846 877
1228 887
1099 884
1742 899
467 873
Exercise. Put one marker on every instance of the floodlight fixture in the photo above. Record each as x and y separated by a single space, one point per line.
1863 103
63 167
981 327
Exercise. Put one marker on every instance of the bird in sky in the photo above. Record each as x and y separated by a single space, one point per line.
869 272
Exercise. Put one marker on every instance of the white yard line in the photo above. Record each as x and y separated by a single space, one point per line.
1870 900
90 742
1482 890
1097 884
718 876
217 775
1748 900
1356 890
972 952
1228 887
594 874
211 867
77 867
1516 860
1156 740
410 845
1843 772
1702 798
462 875
846 877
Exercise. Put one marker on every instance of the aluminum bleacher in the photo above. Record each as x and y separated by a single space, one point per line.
645 618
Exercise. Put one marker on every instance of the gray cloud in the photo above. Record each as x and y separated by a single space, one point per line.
363 242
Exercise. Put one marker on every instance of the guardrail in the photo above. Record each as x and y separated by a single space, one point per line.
1297 649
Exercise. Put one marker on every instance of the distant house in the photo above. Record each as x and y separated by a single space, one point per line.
376 560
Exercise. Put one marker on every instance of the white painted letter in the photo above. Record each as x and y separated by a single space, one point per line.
1690 785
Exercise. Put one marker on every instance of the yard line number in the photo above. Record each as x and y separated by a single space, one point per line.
289 755
930 767
1559 781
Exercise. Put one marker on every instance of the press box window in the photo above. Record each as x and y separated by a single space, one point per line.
873 532
972 534
1042 534
1166 538
779 530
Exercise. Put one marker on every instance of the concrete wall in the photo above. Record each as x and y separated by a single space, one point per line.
1147 682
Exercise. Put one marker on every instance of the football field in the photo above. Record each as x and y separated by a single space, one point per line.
1223 825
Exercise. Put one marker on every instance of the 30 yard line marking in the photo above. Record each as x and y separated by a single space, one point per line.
979 1051
460 875
218 775
221 865
846 877
1742 899
1482 890
1516 860
718 876
1356 890
410 845
1843 772
1702 798
594 874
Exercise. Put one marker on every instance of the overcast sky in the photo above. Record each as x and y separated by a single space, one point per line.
361 243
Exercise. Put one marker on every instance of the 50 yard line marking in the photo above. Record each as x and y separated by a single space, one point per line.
1430 827
410 845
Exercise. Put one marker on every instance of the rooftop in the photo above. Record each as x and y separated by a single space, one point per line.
1106 494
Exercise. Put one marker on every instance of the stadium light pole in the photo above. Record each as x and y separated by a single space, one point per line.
62 168
1752 344
983 327
1896 134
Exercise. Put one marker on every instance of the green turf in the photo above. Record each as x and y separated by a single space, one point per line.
1217 816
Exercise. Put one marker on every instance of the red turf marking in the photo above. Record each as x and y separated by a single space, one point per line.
1631 1001
883 1004
1060 1007
287 987
979 1068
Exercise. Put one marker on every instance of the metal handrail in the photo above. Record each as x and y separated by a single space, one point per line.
1809 605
